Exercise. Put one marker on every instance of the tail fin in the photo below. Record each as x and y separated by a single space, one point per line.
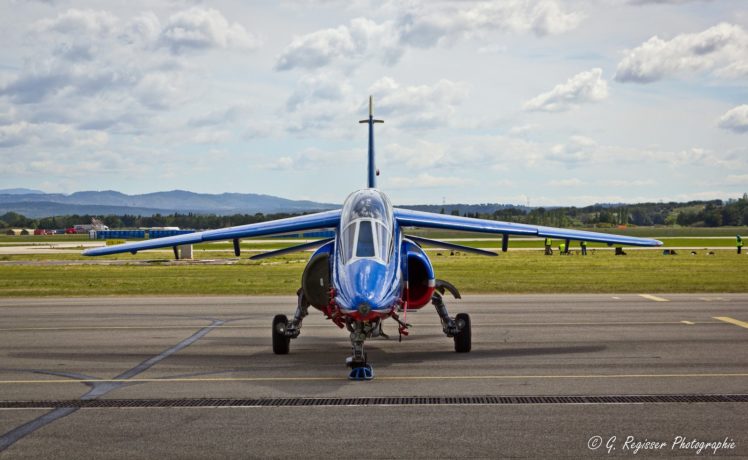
373 172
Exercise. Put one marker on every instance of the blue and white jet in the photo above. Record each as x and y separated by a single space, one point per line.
370 270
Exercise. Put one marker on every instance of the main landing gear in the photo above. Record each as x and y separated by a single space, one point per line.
458 327
285 330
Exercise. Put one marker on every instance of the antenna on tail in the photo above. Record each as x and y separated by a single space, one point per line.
373 172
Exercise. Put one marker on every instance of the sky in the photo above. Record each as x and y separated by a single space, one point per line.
539 102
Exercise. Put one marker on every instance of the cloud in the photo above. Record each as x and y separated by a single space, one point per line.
94 52
422 154
77 22
736 119
430 26
737 179
202 28
578 150
619 183
721 50
572 182
581 88
313 159
418 106
522 129
15 134
226 116
159 90
423 26
319 88
361 38
426 180
660 2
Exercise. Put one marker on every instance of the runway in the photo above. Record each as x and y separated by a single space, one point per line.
196 377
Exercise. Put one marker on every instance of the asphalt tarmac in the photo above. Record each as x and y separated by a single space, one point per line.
211 357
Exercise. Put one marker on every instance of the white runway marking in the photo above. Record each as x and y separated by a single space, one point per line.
653 297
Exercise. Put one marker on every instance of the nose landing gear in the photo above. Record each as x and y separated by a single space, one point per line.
360 331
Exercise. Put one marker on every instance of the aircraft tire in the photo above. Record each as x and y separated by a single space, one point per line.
463 340
281 343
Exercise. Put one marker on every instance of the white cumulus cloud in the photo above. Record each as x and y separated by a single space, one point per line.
319 88
423 25
201 28
736 119
77 22
578 150
361 38
423 106
722 50
583 87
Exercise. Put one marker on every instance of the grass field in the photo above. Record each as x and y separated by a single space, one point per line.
644 271
520 271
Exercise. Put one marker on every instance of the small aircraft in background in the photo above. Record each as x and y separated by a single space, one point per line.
370 270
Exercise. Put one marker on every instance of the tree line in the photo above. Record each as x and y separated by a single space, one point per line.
715 213
185 221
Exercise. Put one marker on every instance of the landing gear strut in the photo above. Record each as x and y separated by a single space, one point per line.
360 331
458 327
285 330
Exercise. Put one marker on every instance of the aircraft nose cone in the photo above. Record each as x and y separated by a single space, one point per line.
365 285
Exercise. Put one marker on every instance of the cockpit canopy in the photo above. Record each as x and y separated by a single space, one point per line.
367 227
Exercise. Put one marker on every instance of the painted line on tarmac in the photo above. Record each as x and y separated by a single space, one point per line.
734 321
393 378
654 297
100 388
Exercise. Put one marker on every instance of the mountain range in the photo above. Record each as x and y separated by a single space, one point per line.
36 204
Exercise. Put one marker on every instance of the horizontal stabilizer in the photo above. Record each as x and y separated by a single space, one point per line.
409 218
442 244
297 248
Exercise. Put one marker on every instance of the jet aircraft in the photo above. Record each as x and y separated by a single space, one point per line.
371 270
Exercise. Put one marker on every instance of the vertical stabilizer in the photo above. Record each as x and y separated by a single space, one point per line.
373 173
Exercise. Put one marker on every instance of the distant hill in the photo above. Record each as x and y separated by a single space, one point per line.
35 204
19 191
463 209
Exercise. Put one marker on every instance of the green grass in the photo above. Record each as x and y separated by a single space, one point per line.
639 271
513 272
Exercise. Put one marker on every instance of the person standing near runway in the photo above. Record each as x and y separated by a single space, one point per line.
739 243
548 248
583 245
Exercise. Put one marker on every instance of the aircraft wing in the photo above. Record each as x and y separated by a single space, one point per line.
327 219
408 218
